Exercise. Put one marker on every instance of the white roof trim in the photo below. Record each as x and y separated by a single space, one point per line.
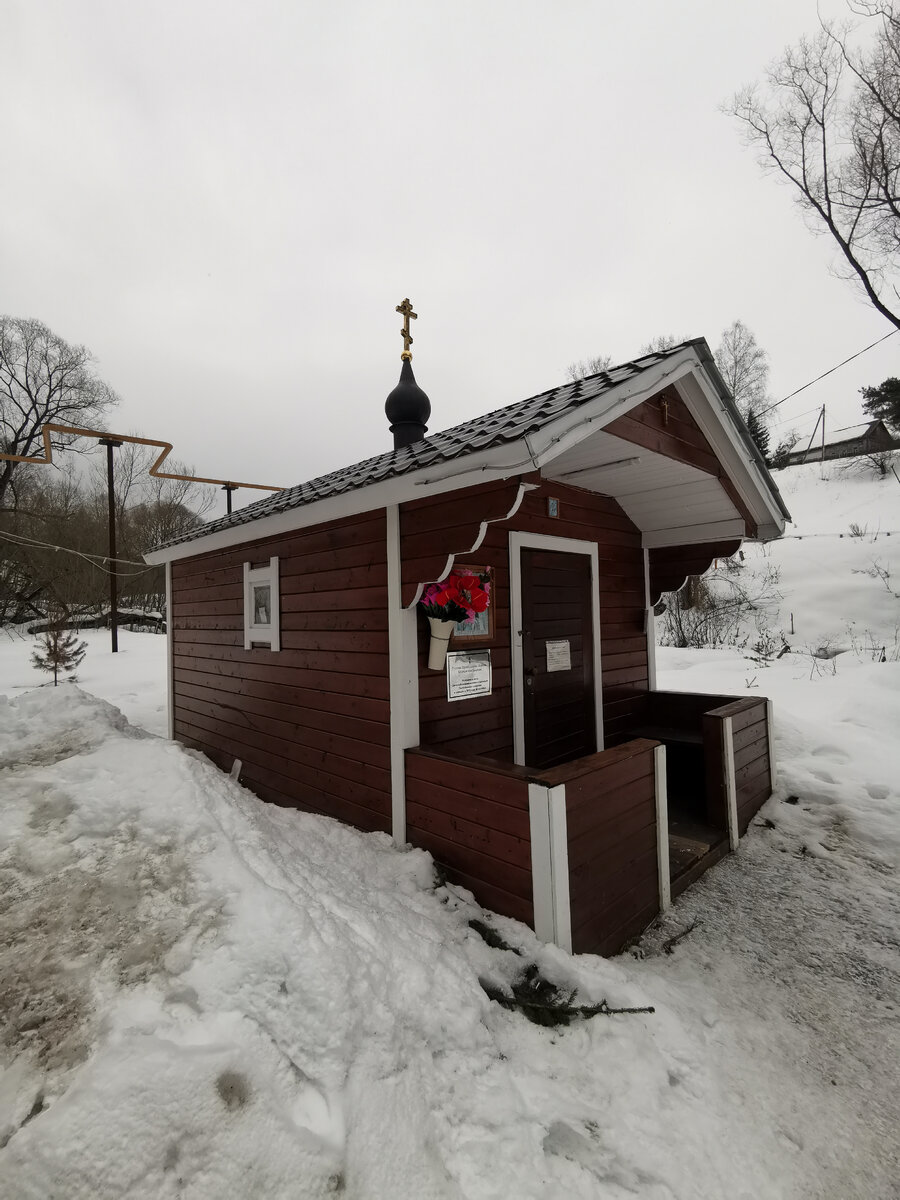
528 453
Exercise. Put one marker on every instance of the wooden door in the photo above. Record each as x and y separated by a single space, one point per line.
558 683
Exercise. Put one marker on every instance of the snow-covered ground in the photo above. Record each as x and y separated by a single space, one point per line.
203 996
832 583
134 679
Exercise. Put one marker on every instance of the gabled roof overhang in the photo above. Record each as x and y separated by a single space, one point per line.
552 448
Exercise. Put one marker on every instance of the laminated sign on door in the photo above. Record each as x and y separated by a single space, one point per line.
559 657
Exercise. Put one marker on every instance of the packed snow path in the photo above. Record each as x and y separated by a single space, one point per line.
205 996
797 941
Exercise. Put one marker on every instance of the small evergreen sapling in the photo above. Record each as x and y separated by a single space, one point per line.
58 650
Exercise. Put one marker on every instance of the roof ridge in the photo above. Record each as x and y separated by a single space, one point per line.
505 424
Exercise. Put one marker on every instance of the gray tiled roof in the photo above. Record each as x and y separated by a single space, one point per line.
503 425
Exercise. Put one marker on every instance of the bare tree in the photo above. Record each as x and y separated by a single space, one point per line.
660 343
829 124
588 366
745 368
602 362
42 378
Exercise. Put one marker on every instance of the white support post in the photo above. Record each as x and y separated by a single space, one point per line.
404 677
662 828
170 654
550 864
559 858
541 861
770 731
651 625
730 785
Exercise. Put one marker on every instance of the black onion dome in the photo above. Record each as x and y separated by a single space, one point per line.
407 408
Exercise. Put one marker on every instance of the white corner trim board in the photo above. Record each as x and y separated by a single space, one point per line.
770 731
541 862
730 785
170 654
651 626
662 828
559 870
403 677
550 864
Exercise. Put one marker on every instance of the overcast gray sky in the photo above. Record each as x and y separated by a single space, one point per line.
225 201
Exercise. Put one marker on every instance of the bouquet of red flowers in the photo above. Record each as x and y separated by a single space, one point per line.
460 597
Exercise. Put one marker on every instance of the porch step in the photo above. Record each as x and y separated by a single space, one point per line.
689 857
669 734
683 851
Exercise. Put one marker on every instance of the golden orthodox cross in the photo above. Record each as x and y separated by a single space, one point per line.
406 310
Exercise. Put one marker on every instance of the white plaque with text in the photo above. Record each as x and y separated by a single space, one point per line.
468 674
559 657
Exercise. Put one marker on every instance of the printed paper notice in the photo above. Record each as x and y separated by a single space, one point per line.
559 657
468 674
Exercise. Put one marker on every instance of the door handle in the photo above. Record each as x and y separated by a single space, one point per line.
531 671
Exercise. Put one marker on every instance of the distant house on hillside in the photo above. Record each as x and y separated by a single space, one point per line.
871 437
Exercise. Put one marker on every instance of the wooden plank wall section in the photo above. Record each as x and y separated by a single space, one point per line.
752 777
484 726
474 821
434 528
750 742
310 722
613 869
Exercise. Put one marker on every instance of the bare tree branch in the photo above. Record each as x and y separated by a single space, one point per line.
829 125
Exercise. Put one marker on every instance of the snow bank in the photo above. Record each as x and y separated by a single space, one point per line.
201 990
207 995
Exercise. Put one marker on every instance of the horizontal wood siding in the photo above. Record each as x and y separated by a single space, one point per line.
751 749
436 527
310 722
613 870
484 726
752 776
475 823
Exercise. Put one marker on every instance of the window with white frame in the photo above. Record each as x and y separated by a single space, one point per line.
262 615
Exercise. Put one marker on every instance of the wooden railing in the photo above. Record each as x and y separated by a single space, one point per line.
613 844
573 850
580 851
473 817
739 760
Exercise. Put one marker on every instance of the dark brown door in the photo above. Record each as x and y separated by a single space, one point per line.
559 677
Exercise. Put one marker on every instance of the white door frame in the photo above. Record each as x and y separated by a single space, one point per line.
542 541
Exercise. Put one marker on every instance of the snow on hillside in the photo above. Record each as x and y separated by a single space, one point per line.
838 566
204 996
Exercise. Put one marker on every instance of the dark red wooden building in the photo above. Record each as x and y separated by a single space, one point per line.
558 784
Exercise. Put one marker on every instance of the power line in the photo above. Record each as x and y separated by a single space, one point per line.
830 371
95 560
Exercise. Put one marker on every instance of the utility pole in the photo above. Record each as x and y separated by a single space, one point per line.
111 444
819 418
